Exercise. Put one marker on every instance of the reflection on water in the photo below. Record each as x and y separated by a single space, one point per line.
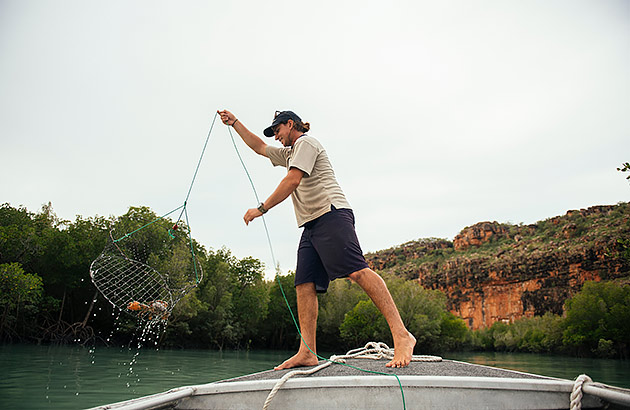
61 377
613 372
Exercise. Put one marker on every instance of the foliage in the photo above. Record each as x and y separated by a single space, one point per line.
597 318
625 167
362 324
234 307
19 291
595 323
342 296
422 311
538 334
278 329
18 286
454 333
511 249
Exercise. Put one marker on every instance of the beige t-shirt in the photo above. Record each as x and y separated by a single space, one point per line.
319 188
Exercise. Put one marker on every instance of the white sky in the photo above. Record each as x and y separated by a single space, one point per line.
437 115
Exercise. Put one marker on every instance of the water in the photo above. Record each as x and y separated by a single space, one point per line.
63 377
608 371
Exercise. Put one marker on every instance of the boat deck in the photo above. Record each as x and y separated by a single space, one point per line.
447 384
444 368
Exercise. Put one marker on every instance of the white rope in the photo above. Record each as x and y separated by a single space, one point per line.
576 394
372 350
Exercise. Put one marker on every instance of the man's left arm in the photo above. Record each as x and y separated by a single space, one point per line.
288 184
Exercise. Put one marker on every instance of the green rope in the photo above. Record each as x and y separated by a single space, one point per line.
198 164
150 223
182 207
192 248
295 322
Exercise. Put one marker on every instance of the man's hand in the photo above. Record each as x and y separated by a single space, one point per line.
251 214
227 117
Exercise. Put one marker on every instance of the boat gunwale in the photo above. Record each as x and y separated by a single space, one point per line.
538 384
227 387
465 382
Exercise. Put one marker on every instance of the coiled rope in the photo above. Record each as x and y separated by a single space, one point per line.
372 350
576 394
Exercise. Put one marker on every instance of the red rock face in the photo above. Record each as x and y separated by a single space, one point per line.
478 234
531 271
499 300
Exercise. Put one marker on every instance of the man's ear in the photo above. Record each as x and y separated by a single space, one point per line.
290 124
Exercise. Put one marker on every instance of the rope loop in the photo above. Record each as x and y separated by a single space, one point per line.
576 394
372 350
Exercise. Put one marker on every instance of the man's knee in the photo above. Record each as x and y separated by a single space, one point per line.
360 274
305 288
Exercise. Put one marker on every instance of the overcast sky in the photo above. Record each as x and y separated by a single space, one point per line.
436 115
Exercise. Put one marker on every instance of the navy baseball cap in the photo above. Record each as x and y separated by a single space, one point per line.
281 117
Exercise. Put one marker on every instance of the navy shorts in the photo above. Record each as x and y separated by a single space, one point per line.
329 249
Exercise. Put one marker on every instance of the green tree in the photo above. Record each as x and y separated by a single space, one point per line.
364 323
598 315
214 325
251 297
453 332
341 297
17 289
421 311
278 328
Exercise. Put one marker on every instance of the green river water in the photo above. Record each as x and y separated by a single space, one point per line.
63 377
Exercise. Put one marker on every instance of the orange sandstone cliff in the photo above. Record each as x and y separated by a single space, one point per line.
499 272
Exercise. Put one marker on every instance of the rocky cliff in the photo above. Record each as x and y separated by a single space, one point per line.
501 272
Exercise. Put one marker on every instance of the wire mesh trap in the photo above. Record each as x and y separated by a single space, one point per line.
153 265
145 273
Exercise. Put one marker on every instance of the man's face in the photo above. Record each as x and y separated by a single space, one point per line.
282 133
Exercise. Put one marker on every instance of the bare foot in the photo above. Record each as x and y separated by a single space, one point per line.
403 351
300 359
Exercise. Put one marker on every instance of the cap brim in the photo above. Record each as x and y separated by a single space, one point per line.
268 132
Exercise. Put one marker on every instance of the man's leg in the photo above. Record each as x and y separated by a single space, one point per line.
376 289
307 315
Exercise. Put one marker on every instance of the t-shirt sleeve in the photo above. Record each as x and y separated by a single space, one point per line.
277 155
304 156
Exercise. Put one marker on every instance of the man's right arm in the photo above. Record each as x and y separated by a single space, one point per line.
252 140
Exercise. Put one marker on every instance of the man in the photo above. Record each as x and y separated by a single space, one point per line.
329 248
